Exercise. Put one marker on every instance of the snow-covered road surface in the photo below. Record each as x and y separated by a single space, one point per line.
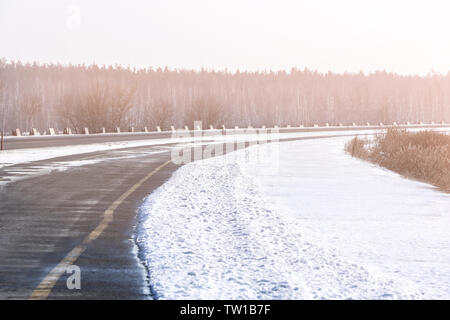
317 225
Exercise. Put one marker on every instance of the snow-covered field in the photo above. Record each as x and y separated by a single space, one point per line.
315 224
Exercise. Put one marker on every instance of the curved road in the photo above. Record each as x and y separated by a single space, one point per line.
62 204
45 216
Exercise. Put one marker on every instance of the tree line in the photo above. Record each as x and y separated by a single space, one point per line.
78 96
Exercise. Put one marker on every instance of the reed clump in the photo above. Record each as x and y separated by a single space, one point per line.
423 155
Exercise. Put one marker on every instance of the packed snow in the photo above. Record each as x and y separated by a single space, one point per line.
295 220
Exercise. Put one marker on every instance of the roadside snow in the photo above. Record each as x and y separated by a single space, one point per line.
18 156
315 224
374 217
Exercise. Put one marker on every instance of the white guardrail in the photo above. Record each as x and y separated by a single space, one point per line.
85 131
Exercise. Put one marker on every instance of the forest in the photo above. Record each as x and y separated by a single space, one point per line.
34 95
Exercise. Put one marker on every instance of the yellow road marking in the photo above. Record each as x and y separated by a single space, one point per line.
45 287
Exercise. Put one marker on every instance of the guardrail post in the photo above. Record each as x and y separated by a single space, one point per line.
131 129
186 128
145 129
67 131
51 131
117 130
86 131
172 128
158 128
34 132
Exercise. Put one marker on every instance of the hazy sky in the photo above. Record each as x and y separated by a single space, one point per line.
347 35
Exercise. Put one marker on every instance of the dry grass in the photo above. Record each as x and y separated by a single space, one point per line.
424 156
357 147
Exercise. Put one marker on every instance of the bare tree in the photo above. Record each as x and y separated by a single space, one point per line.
161 113
120 100
30 106
85 107
208 110
108 97
3 111
3 104
69 110
98 105
94 106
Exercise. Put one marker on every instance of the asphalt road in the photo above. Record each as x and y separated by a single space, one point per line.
50 211
43 217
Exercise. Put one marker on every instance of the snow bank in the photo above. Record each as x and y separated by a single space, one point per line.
322 226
